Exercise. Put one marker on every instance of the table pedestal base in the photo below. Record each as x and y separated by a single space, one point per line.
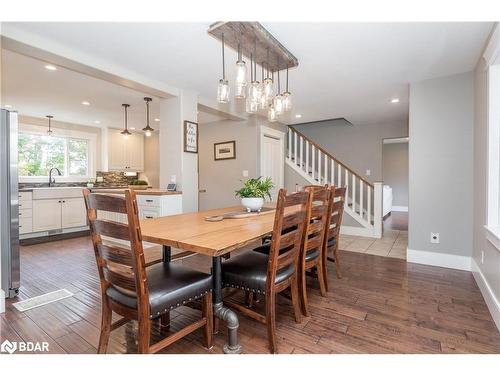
232 323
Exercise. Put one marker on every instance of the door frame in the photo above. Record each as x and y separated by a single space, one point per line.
266 131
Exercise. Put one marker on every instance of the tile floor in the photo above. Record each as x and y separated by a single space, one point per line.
393 244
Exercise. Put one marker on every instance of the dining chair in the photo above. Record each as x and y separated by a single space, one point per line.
268 275
312 256
332 234
131 289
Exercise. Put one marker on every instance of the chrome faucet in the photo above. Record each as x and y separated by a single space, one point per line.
52 180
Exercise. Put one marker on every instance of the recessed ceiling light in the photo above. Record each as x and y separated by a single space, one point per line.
85 103
298 115
395 100
50 67
157 119
97 122
132 128
7 106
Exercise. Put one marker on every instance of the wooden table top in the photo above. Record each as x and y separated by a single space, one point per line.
192 232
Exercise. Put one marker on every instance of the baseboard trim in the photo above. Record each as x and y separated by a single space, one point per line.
431 258
357 231
2 301
488 295
400 208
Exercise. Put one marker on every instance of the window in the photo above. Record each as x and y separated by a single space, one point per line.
70 152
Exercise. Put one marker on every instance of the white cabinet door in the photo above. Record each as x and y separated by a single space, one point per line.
134 150
73 213
116 151
46 214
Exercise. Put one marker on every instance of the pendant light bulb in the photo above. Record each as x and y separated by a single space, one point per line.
148 129
287 96
278 104
241 76
271 114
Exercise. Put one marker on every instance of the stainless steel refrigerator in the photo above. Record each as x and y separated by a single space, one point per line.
9 200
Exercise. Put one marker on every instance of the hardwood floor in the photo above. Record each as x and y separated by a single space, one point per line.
382 305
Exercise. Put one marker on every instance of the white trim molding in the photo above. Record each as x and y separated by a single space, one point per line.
431 258
400 208
2 301
488 294
493 235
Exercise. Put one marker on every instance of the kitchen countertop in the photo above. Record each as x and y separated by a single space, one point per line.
138 192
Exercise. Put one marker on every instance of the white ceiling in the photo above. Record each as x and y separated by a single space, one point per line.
349 70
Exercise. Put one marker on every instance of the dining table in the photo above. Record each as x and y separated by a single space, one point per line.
213 233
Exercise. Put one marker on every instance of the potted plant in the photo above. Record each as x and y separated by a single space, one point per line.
254 192
138 185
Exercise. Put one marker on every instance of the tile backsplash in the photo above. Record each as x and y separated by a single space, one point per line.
110 179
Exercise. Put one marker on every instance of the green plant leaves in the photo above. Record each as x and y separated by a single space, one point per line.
256 188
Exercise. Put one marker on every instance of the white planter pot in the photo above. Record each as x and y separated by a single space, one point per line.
252 204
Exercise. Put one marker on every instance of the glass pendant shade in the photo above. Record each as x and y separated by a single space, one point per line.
268 88
254 91
263 101
240 91
241 73
251 105
278 104
223 91
271 114
287 101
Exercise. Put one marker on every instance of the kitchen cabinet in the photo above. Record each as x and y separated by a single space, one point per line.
46 215
125 154
73 213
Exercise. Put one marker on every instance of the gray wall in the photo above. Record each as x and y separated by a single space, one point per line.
441 154
221 178
395 171
358 146
491 266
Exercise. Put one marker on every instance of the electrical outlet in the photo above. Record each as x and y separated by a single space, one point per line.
482 256
434 237
245 173
368 172
173 179
100 179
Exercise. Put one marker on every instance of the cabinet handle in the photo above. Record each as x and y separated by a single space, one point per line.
149 217
20 214
59 202
149 200
20 205
64 201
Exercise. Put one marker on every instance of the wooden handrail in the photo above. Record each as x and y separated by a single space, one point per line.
329 155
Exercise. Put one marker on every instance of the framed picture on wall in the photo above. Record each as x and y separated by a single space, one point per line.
225 150
190 137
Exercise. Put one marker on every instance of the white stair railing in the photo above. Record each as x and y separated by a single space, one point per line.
319 167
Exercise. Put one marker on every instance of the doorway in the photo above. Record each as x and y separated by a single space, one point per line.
272 157
395 177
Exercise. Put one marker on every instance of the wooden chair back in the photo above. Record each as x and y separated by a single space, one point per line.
316 219
336 212
288 231
120 263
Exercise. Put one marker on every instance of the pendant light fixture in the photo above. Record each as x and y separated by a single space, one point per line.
252 101
241 76
263 102
271 113
278 99
125 132
287 96
223 88
268 82
49 132
148 129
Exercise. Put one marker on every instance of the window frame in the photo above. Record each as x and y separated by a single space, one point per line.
67 134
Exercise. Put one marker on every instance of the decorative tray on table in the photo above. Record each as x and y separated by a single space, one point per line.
240 214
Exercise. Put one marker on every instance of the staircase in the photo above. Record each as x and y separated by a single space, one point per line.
319 167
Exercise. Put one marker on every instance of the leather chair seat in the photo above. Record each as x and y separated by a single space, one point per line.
170 285
264 249
248 271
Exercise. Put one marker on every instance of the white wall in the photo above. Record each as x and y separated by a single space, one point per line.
485 256
441 170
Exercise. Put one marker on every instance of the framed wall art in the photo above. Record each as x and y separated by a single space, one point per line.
190 137
225 150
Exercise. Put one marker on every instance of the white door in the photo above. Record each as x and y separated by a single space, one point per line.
272 160
73 213
46 214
